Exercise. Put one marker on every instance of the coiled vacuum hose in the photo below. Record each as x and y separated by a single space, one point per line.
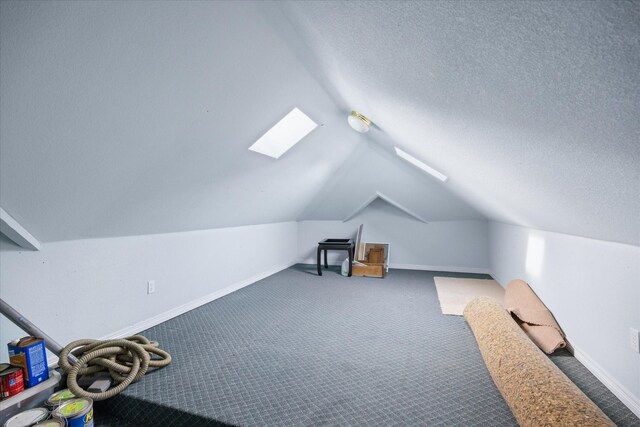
127 360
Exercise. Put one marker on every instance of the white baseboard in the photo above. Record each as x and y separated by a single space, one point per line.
421 267
500 282
177 311
448 269
52 360
330 261
632 402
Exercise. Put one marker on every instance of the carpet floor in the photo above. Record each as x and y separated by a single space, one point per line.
297 349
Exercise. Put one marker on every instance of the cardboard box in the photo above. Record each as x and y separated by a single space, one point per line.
30 353
368 269
376 256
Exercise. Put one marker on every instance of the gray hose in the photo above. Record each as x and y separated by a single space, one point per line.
126 360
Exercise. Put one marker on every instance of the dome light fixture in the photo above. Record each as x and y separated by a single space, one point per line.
359 122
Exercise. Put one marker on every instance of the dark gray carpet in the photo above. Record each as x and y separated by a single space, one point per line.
593 388
102 419
298 349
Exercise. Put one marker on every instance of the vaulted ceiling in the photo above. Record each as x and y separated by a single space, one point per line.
125 118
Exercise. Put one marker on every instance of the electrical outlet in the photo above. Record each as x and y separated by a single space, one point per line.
634 340
151 286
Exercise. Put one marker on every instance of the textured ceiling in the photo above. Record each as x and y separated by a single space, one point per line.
531 108
122 118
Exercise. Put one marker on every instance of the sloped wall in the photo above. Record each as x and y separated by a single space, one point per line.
97 287
593 289
131 118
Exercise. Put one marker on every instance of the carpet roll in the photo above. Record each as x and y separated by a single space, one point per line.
533 316
535 389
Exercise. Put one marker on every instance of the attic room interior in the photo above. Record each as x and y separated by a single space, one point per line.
173 170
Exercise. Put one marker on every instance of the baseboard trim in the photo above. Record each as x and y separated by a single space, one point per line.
312 261
497 279
621 392
421 267
447 268
52 360
174 312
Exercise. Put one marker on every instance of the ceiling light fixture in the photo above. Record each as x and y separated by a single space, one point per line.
359 122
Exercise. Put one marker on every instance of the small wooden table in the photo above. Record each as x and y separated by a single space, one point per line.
335 245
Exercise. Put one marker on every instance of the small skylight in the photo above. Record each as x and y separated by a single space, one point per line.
284 134
431 171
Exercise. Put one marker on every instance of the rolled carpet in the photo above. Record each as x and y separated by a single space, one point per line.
535 389
533 316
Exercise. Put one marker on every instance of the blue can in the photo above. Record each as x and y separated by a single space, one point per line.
76 412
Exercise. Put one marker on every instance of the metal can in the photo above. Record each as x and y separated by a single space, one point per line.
28 418
11 381
76 412
3 367
51 423
58 398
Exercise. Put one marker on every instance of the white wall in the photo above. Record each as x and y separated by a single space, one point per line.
593 289
440 245
97 287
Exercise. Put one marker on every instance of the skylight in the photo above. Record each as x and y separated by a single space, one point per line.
284 134
431 171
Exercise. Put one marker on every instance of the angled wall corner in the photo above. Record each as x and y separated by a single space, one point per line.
379 195
17 233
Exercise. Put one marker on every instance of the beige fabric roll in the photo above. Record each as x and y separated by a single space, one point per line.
534 318
536 390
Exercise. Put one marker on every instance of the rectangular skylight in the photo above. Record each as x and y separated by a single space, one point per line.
284 134
431 171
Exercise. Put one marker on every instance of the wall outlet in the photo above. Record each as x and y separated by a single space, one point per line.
151 286
634 340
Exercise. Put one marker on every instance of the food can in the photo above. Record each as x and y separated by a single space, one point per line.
58 398
28 418
3 367
76 412
11 381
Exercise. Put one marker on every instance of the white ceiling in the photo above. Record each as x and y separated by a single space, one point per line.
371 170
124 118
